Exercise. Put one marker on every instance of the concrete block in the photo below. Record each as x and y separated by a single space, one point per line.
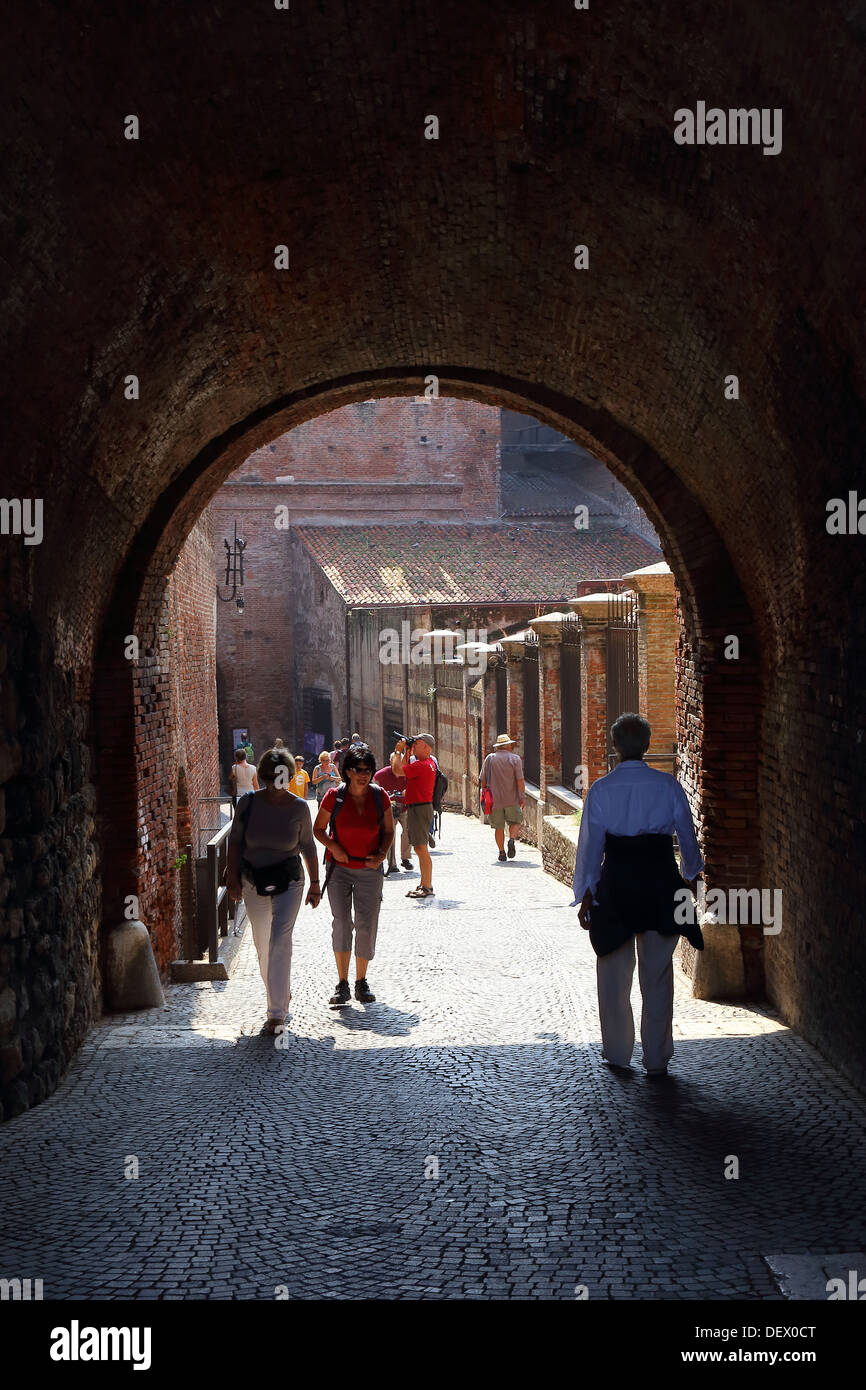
131 975
718 968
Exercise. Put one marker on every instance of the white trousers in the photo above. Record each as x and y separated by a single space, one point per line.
272 921
656 976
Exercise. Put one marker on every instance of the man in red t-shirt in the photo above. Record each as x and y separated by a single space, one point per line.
396 786
416 764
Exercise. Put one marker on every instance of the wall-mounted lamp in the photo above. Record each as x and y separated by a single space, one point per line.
234 579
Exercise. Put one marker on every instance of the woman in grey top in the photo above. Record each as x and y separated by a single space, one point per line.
271 826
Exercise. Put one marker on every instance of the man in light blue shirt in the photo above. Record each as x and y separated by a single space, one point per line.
625 881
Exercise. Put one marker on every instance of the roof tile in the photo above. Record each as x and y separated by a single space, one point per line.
394 565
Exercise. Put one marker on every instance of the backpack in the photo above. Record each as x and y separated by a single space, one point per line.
379 797
440 787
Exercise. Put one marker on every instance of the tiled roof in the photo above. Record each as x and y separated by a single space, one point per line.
370 565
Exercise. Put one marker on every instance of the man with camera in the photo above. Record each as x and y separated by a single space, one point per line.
413 760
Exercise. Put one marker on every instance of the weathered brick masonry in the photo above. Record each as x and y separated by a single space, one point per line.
176 737
454 256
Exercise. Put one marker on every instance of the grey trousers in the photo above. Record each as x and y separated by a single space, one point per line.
348 884
614 974
272 920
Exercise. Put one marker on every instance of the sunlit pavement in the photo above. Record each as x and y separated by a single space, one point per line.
459 1138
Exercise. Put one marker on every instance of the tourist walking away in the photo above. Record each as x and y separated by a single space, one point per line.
339 754
271 833
502 776
301 780
413 760
395 787
356 827
242 777
625 881
325 776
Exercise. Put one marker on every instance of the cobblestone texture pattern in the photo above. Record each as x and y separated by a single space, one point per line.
303 1166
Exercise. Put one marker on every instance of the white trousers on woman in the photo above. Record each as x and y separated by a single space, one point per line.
272 920
656 975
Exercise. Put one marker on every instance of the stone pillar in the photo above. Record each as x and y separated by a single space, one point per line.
657 645
549 701
593 683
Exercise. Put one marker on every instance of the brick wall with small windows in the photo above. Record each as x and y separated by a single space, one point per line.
431 460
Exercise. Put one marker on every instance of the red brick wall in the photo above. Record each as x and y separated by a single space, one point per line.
446 444
175 733
255 648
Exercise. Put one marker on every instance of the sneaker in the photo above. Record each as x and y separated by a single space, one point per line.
363 993
391 869
502 856
342 994
511 849
431 841
407 863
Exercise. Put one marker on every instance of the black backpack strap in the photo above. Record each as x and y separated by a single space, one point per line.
338 806
381 799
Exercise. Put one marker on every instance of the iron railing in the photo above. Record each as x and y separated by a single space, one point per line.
622 659
212 898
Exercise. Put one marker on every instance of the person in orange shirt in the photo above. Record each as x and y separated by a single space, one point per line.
301 780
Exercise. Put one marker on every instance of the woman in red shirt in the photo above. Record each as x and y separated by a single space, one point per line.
357 849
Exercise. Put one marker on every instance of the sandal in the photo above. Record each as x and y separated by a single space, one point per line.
420 892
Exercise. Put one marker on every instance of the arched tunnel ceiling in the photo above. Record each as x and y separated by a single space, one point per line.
304 127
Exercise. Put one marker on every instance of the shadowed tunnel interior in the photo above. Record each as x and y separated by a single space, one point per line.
155 257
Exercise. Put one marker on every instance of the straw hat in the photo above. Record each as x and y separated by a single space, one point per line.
503 741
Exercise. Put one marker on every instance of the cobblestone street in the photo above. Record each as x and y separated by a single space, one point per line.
313 1165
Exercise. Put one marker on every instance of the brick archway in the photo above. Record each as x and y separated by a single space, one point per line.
720 756
153 260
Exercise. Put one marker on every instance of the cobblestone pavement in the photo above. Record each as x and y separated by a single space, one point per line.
311 1168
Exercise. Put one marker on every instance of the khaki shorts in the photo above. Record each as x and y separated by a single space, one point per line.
501 816
418 818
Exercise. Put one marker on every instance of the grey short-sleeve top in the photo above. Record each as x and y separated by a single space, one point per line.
273 831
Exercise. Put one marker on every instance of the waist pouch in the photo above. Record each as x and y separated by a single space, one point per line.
274 878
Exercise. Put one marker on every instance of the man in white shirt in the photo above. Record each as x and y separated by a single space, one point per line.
625 880
242 776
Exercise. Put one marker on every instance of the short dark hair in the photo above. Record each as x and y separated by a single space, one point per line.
240 752
631 735
358 758
270 761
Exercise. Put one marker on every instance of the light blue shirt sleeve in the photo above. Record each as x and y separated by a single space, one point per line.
690 854
590 850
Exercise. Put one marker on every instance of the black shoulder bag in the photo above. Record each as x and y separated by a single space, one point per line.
273 878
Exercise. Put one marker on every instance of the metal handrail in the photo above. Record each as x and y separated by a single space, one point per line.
212 895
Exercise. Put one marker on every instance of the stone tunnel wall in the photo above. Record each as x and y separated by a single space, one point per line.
556 129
